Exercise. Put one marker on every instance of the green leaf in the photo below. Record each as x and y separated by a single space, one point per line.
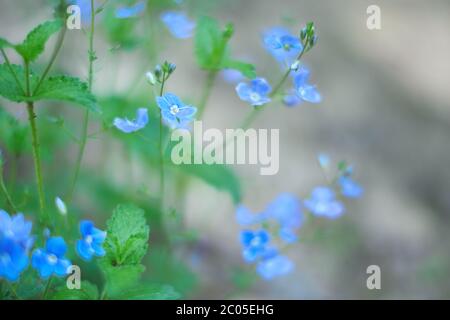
219 176
13 134
150 292
64 88
247 69
9 88
128 233
210 43
34 43
119 278
88 291
4 43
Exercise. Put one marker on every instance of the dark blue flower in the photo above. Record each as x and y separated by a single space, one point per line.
178 24
129 126
17 229
13 259
349 188
283 46
256 92
51 259
302 91
131 11
274 265
254 244
91 243
323 203
174 112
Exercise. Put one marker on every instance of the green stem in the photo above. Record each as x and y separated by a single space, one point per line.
206 93
35 143
12 290
161 150
47 287
5 192
84 134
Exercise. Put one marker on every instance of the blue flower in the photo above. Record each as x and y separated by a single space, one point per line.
256 92
178 24
286 210
283 46
323 203
13 259
174 112
130 12
245 217
51 259
17 229
273 266
91 243
232 76
254 243
302 91
349 188
129 126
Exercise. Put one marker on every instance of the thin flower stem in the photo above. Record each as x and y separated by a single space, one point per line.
84 133
35 143
47 287
161 150
5 192
12 290
206 93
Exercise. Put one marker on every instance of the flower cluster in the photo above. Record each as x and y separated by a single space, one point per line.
277 226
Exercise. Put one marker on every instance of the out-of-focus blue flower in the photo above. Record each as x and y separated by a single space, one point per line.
91 243
174 112
286 210
323 203
13 259
349 188
254 244
17 229
131 11
274 265
232 76
245 217
129 126
256 92
51 259
282 45
302 91
324 160
178 24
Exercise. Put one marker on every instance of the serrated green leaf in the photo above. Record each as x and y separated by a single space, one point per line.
150 292
34 43
9 88
88 291
247 69
119 278
68 89
128 233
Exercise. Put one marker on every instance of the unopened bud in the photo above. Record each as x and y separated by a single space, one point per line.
150 78
61 206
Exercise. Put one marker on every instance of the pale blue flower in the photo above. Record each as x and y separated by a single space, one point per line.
349 188
17 229
13 259
91 243
174 112
179 25
274 266
129 126
282 45
232 76
51 259
256 92
125 12
323 203
302 91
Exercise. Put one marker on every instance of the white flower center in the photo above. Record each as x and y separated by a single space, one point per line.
255 242
52 259
174 109
89 239
255 96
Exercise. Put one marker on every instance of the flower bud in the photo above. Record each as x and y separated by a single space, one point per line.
150 78
61 206
295 65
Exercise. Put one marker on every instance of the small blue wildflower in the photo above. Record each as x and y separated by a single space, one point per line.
283 46
232 76
286 210
349 188
274 265
17 229
256 92
129 126
91 243
245 217
178 24
130 12
51 259
13 259
323 203
302 91
254 243
174 112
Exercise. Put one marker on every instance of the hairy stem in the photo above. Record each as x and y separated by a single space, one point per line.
84 133
161 150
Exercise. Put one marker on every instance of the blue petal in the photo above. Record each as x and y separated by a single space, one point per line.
187 112
124 125
251 254
261 86
163 104
288 235
243 90
232 76
178 24
40 263
310 94
141 117
350 188
86 227
276 266
292 99
246 237
129 12
98 250
56 246
301 77
61 267
84 250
